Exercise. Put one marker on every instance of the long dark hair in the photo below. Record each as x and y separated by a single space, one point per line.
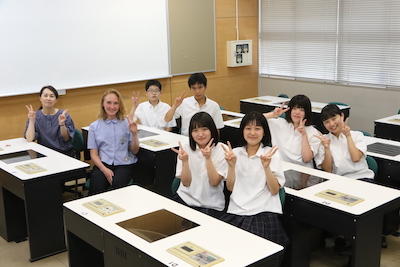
300 101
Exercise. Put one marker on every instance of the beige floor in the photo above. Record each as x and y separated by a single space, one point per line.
16 255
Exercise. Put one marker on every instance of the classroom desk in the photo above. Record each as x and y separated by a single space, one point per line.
98 241
269 103
388 159
388 128
361 223
160 150
31 204
231 131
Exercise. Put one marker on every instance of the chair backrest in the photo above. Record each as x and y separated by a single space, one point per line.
398 112
174 185
338 103
283 95
282 195
365 133
372 164
77 141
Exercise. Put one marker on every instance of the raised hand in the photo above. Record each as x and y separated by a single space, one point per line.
346 128
135 98
230 157
132 126
31 112
206 151
325 141
267 157
279 111
302 128
182 155
62 117
179 99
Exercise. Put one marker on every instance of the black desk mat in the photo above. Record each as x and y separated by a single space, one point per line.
384 149
144 133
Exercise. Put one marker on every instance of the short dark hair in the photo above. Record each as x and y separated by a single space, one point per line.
300 101
259 120
202 119
329 111
153 82
199 78
51 88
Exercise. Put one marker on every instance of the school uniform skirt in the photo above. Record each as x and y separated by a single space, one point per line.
265 224
210 212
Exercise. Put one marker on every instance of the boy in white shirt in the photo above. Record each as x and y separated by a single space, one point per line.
343 151
151 113
187 107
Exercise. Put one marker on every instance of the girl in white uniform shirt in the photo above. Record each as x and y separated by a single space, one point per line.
201 166
294 135
255 177
343 151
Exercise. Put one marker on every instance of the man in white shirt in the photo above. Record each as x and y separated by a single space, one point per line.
343 151
152 112
187 107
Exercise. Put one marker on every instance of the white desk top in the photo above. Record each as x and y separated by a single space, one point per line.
370 140
373 195
167 139
237 247
235 123
395 120
277 102
53 163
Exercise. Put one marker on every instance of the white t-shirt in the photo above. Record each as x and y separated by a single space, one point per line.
190 106
250 193
288 140
200 193
342 163
153 116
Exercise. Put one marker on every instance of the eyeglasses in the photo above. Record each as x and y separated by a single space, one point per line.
154 91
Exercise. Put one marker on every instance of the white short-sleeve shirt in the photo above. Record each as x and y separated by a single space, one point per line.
288 140
342 163
190 106
200 193
250 194
153 116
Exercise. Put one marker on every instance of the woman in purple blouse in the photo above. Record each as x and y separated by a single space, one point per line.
50 126
113 144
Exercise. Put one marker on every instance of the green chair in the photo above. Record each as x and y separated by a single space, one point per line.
175 184
282 196
365 133
398 112
372 165
283 95
338 103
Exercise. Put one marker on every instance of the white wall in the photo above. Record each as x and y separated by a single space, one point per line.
367 104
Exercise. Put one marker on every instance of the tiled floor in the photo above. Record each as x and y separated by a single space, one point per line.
16 255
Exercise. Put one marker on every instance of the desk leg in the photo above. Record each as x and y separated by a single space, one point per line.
43 209
367 241
165 166
12 216
81 254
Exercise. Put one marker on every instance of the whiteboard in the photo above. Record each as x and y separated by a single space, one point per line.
79 43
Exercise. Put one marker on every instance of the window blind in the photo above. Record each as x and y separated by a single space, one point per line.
344 41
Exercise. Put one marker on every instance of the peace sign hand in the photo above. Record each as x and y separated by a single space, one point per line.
346 128
267 157
182 155
325 141
135 98
62 117
206 151
230 157
279 111
179 99
302 128
132 126
31 112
